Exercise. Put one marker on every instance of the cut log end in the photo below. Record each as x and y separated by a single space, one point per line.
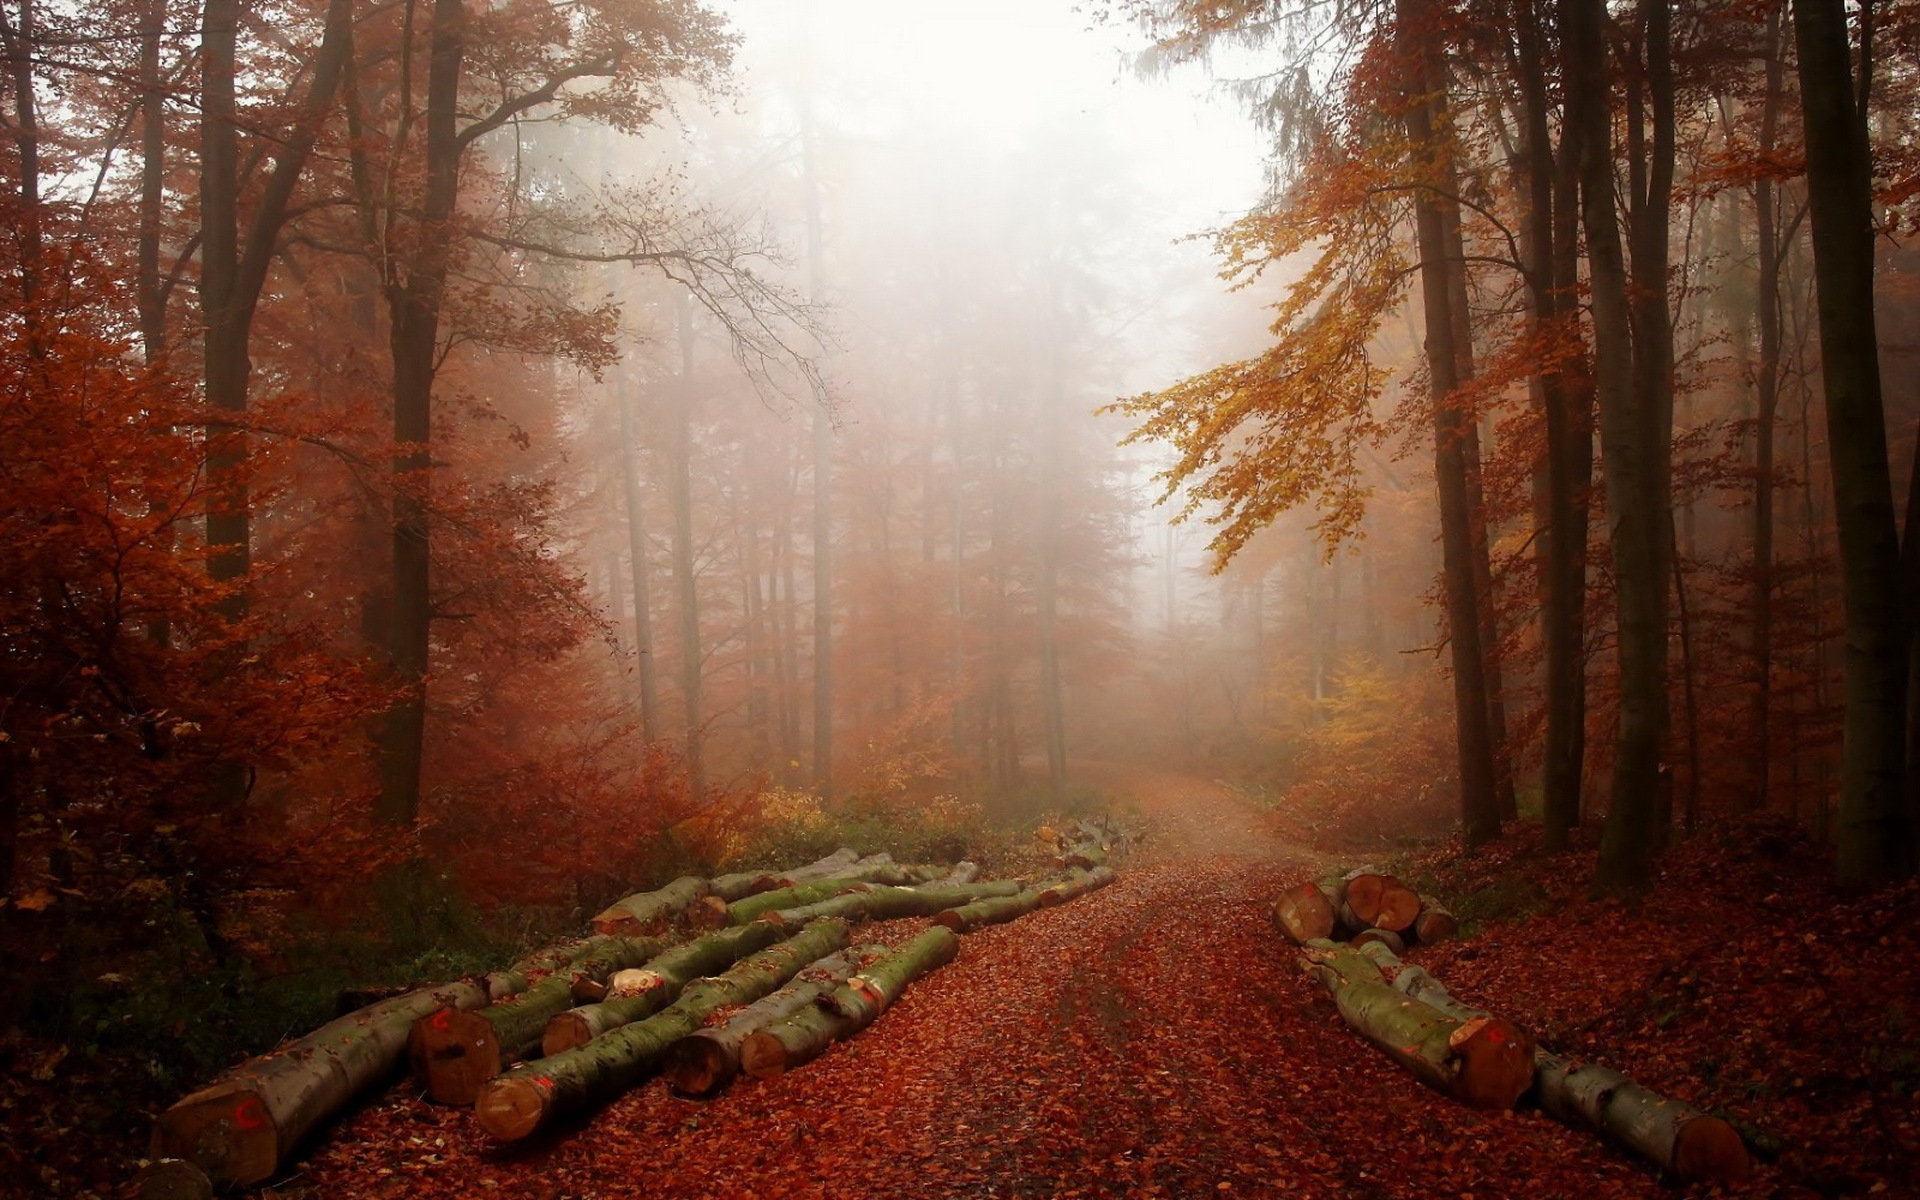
1708 1148
1399 907
709 912
172 1179
1434 924
227 1131
696 1066
1302 913
511 1108
564 1032
763 1056
951 919
456 1053
1496 1062
1384 937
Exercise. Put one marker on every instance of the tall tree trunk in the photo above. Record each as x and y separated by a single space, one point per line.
415 339
686 586
637 558
1876 834
822 492
1550 234
1047 568
1766 382
224 343
149 297
1479 806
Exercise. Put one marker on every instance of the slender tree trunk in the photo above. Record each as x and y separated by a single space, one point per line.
638 560
687 587
150 299
1047 567
1766 413
224 343
822 493
1876 831
1479 805
415 338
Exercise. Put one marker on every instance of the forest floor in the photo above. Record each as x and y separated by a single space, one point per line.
1157 1039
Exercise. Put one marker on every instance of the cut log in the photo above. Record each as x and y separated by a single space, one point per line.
664 977
993 910
740 884
1302 913
650 912
172 1179
454 1051
706 1060
1674 1136
1364 889
964 871
1435 923
1485 1061
1398 908
240 1128
895 903
710 912
1082 855
796 896
1075 885
1383 937
512 1106
848 1009
825 868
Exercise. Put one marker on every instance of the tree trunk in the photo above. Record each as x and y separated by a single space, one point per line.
638 560
825 868
686 584
1077 884
414 338
848 1009
1435 923
1484 1061
1876 838
665 976
650 912
1479 804
1377 936
243 1126
514 1105
454 1051
707 1060
752 908
822 487
990 910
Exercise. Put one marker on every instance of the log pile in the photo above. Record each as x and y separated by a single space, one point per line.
605 1011
1361 905
1484 1059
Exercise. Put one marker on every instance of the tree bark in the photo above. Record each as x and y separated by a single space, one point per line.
243 1126
990 910
666 975
1077 884
638 560
893 903
512 1106
1876 836
848 1009
1479 803
650 912
707 1060
825 868
1435 923
1302 913
454 1051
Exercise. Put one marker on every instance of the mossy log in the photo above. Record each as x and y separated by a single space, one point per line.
1435 923
740 912
824 868
992 910
1671 1134
1303 913
964 871
895 903
660 984
650 912
707 1060
243 1126
1077 883
1485 1061
454 1051
514 1105
1382 937
848 1009
738 884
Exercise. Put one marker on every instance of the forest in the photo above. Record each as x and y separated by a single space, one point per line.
1166 506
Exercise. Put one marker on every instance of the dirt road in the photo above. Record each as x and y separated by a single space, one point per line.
1153 1039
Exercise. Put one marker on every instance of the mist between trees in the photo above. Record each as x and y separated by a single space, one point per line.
470 459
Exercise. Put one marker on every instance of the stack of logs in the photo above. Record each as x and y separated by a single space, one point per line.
1362 906
1471 1054
586 1019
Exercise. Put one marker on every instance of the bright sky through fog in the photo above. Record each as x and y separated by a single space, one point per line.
998 67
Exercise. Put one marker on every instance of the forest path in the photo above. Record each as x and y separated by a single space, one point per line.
1151 1039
